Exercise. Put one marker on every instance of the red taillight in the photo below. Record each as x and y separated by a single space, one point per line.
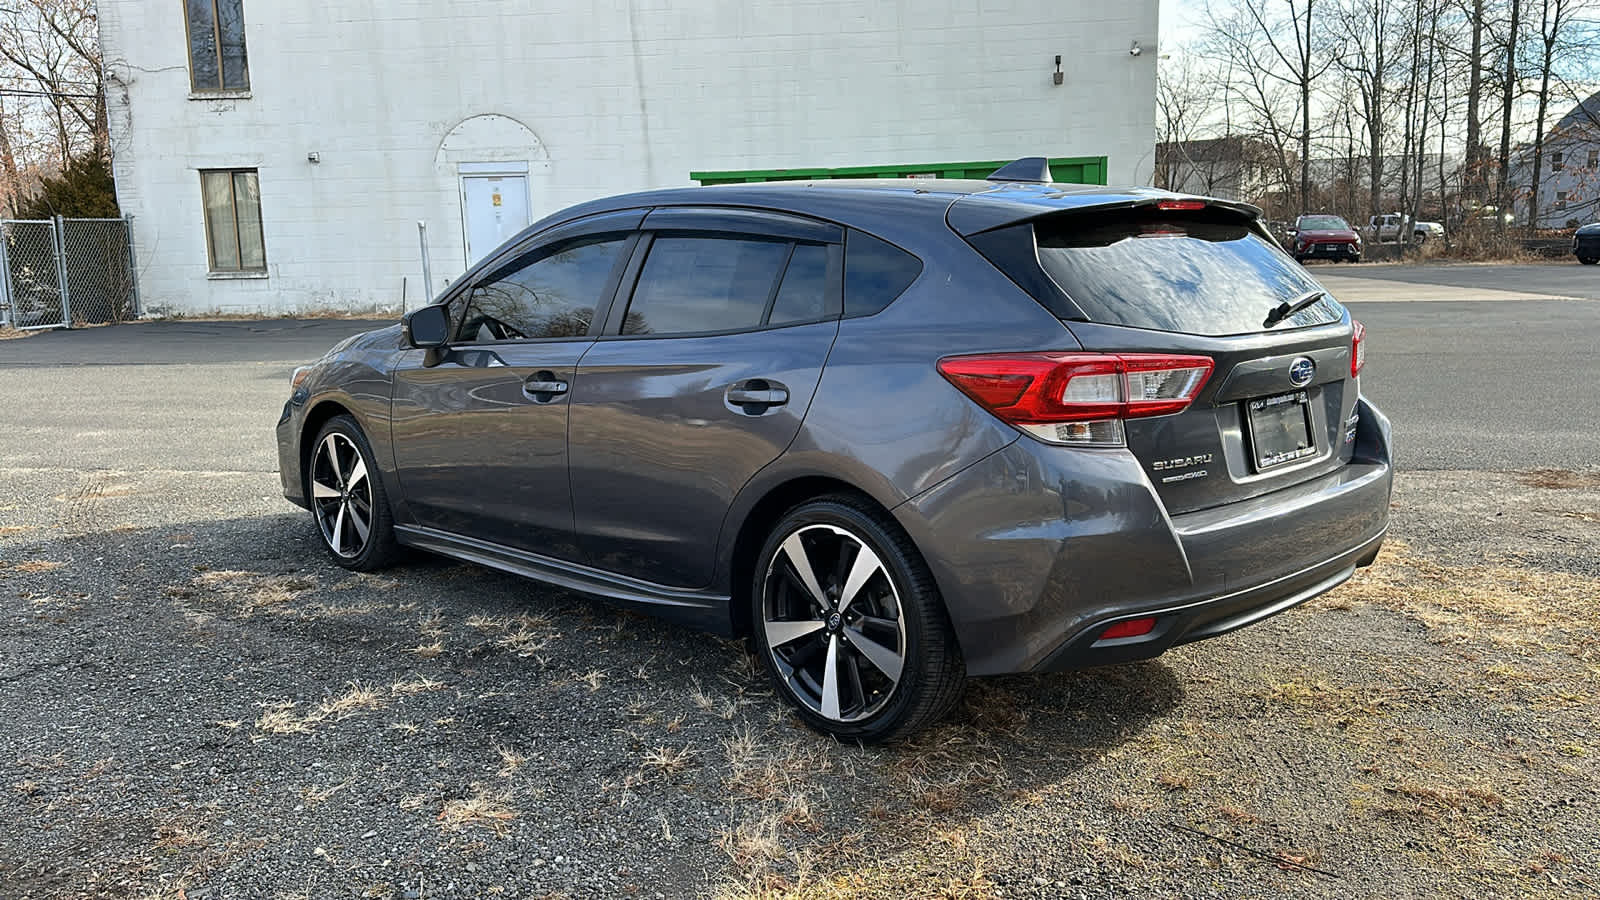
1078 398
1129 628
1180 205
1358 350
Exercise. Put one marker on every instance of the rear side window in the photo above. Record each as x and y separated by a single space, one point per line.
1203 274
803 297
699 284
875 272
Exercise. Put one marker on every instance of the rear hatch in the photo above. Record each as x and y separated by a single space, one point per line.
1188 278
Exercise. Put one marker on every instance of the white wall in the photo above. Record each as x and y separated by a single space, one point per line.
614 95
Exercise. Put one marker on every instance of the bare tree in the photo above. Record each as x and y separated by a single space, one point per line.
1508 98
50 78
1554 18
1369 37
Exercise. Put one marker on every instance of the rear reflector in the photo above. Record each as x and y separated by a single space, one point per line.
1129 628
1180 205
1078 398
1358 350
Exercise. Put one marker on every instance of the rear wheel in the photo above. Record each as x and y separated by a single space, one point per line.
347 498
849 624
1589 261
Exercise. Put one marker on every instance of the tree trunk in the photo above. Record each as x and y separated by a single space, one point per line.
8 167
1549 30
1474 163
1508 90
1305 115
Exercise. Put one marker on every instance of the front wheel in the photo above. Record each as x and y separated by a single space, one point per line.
1589 261
347 498
849 623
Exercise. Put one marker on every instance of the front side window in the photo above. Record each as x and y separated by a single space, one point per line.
217 59
691 285
550 292
232 200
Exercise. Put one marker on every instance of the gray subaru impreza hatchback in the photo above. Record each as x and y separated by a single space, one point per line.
895 432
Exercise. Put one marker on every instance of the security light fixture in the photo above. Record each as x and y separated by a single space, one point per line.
1058 77
1135 50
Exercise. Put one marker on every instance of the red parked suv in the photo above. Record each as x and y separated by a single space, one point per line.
1324 237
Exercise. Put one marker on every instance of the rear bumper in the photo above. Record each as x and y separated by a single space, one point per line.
1037 550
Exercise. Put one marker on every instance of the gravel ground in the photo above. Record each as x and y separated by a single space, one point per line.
200 706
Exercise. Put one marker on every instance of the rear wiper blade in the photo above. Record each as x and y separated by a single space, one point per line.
1286 309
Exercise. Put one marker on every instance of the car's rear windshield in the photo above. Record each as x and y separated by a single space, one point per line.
1199 274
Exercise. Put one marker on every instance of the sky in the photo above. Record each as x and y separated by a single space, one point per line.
1179 18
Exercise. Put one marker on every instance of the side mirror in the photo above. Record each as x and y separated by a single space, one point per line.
428 328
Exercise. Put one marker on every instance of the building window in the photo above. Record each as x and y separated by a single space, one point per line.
1561 199
216 45
1594 159
233 220
1556 161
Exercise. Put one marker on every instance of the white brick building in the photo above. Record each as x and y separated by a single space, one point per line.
278 157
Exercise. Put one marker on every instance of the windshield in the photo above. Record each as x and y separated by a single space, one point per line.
1325 223
1170 273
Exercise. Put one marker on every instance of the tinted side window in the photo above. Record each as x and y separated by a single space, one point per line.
875 272
548 293
803 297
696 284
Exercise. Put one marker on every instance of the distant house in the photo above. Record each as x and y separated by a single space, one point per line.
1569 179
1232 168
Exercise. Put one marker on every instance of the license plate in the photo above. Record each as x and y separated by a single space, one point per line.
1280 429
1327 248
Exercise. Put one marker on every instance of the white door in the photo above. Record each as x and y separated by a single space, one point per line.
494 208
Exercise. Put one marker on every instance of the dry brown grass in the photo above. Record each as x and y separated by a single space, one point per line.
510 761
422 684
281 717
484 808
37 566
668 760
1496 604
1559 479
7 333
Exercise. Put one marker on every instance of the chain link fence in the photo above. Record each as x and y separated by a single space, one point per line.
60 273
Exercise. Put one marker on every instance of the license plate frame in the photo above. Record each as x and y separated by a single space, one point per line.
1281 430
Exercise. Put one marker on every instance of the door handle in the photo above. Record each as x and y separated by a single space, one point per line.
544 386
757 395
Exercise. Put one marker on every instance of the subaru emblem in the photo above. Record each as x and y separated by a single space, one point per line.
1301 371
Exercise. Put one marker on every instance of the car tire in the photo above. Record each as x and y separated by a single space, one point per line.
1356 258
1589 261
861 647
349 505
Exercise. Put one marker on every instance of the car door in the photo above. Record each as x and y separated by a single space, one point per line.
710 356
480 427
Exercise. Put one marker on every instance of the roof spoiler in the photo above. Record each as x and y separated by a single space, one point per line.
1028 170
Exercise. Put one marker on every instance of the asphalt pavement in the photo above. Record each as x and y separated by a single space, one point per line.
1564 279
